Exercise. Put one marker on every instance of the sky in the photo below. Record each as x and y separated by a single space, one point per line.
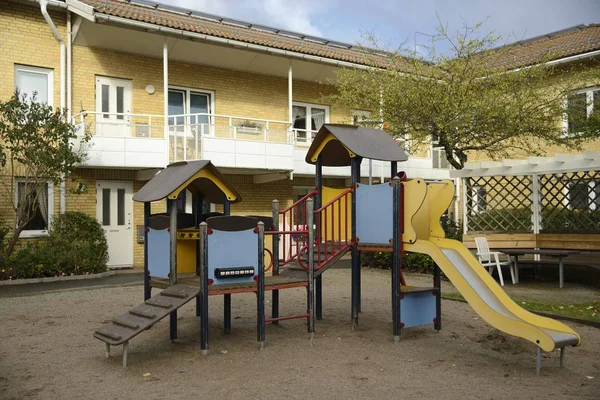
395 23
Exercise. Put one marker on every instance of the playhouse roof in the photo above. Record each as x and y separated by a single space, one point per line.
337 144
199 177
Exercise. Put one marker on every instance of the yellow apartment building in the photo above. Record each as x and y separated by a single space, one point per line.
157 84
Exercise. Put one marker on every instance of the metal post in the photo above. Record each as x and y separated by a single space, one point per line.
227 313
260 290
125 353
562 356
226 206
396 288
275 237
227 297
204 288
173 265
311 268
317 204
147 288
197 220
437 283
561 272
107 354
394 169
355 171
319 298
538 361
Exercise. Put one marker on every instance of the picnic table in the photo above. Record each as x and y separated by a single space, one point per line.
560 254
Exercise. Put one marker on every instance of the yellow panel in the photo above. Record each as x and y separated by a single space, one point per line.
440 197
319 149
186 256
332 233
415 192
208 174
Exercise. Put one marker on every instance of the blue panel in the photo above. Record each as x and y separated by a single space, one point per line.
232 249
417 309
159 250
374 210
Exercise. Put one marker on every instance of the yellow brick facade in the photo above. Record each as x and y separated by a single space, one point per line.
28 40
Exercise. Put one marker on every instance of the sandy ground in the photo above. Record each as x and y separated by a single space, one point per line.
47 352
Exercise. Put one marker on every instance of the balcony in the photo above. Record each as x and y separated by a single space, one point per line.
140 140
231 142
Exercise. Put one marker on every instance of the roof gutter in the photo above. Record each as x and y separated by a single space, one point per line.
228 42
61 43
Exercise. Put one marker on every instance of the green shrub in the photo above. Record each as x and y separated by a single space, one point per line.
80 243
75 245
501 220
554 219
413 262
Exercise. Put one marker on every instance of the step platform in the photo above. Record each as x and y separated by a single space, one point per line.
126 326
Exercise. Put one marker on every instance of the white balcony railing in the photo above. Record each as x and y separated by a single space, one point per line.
140 140
187 131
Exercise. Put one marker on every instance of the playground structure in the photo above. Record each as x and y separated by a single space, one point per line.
314 232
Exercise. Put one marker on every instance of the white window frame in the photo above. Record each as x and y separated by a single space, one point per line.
475 209
589 99
33 233
591 187
38 70
188 91
308 139
436 154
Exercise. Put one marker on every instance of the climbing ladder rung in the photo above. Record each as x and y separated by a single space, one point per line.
142 314
156 303
108 334
125 323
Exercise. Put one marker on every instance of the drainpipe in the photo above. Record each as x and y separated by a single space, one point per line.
61 42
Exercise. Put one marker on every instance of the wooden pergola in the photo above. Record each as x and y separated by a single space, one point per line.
546 202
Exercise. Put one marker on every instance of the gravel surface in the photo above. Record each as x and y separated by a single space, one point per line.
47 352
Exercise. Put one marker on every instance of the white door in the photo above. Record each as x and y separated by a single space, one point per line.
114 210
113 107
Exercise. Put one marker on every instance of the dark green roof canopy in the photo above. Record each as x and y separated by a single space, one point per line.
337 144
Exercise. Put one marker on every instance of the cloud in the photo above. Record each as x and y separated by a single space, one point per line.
292 15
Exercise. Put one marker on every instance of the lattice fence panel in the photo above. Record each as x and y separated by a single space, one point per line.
570 202
498 204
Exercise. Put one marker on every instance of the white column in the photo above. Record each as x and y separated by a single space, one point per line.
535 203
457 197
465 208
166 99
290 97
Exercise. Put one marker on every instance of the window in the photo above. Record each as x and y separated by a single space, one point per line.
584 195
580 106
113 104
308 119
188 111
34 80
438 154
40 197
479 200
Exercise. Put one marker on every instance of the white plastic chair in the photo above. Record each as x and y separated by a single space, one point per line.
491 259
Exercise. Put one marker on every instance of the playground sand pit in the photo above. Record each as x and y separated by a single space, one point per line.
47 352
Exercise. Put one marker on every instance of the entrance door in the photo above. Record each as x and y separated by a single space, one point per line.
113 107
114 210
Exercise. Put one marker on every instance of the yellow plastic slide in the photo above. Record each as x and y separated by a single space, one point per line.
489 300
424 204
